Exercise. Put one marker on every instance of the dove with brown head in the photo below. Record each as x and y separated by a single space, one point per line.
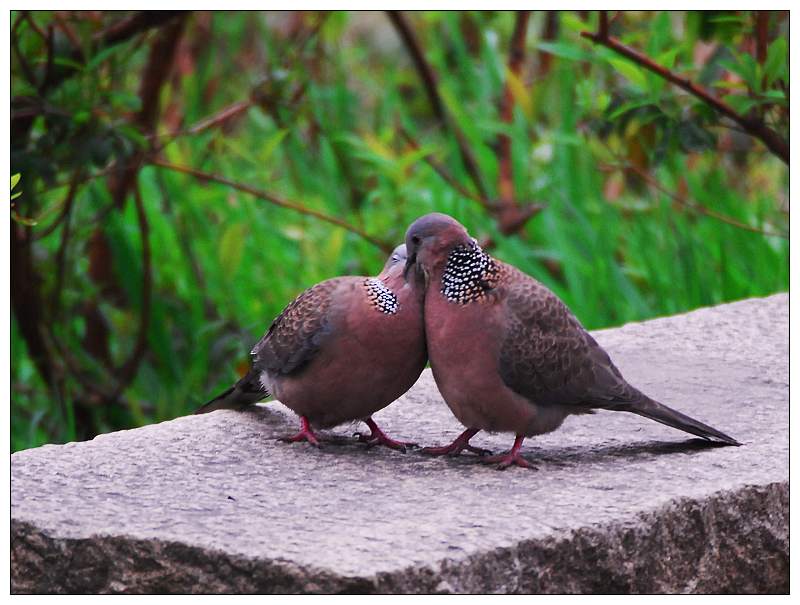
342 350
506 353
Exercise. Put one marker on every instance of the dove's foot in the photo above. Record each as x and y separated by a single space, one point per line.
460 444
511 457
378 437
305 434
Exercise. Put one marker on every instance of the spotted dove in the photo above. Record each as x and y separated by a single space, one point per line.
342 350
506 353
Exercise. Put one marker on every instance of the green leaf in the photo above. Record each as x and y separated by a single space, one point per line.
29 222
776 65
634 74
101 56
667 58
775 96
740 103
564 50
126 100
628 106
746 68
231 247
64 62
271 144
15 178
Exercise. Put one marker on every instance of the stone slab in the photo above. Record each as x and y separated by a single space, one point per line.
618 503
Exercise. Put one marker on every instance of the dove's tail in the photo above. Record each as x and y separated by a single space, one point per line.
654 410
247 391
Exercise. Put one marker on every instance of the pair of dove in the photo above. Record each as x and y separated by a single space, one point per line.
506 353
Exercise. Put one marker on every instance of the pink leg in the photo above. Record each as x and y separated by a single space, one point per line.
461 443
511 457
378 437
305 434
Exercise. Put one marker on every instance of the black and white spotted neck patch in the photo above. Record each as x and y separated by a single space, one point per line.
380 296
468 274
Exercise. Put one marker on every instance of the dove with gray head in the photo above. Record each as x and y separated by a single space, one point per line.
342 350
506 353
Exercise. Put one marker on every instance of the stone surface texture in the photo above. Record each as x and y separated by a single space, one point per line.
618 503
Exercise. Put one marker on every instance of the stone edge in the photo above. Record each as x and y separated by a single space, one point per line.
687 546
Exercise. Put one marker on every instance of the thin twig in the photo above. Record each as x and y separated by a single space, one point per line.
754 126
48 70
218 119
34 26
602 26
513 222
223 116
127 370
66 206
698 208
548 35
516 57
431 89
69 33
61 255
442 171
26 69
128 27
276 200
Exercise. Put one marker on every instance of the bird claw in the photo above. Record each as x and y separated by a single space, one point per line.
508 459
302 436
373 439
454 449
378 437
460 444
478 450
305 434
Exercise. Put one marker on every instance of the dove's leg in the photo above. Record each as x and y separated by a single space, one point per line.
305 434
511 457
378 437
461 443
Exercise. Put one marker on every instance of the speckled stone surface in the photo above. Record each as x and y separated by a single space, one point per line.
618 503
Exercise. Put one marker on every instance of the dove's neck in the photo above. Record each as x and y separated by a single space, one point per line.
381 295
468 273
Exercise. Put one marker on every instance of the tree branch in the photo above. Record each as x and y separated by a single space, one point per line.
428 77
61 255
277 201
126 372
753 126
698 208
442 171
510 216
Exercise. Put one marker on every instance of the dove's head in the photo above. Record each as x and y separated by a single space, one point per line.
395 264
429 241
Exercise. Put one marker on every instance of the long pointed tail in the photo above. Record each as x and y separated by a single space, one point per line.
654 410
247 391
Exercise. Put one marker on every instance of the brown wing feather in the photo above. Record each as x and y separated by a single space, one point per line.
546 354
297 334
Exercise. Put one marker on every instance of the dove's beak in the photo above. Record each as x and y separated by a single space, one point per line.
409 264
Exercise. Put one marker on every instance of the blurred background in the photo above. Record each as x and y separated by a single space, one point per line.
177 178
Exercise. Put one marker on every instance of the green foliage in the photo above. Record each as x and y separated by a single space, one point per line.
323 132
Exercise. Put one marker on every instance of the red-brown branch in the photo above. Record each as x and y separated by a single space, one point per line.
442 171
698 208
516 57
428 77
277 201
753 126
126 372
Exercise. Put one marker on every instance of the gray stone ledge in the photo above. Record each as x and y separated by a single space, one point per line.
618 504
